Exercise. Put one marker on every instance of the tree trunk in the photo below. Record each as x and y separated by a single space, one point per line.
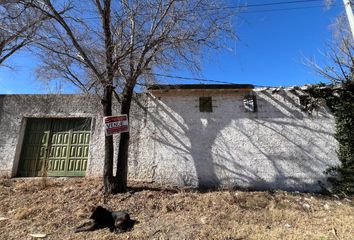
108 179
122 161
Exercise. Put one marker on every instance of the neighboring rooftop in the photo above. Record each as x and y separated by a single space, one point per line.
200 86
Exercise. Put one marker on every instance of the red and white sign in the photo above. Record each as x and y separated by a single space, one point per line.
116 124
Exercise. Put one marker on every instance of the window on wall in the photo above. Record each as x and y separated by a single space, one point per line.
250 102
205 104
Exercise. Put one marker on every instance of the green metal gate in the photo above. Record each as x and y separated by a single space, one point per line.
55 147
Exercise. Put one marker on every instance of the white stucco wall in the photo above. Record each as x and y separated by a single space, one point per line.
278 147
15 109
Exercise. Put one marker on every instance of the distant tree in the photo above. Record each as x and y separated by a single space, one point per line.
339 62
108 47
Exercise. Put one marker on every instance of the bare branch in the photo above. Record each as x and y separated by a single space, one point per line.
18 26
339 62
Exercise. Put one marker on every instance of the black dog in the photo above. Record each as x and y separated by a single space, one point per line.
118 221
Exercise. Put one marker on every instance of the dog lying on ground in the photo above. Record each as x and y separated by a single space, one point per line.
117 221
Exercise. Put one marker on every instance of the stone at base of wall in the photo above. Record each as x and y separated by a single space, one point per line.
5 173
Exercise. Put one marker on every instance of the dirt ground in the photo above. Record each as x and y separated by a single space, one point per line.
54 208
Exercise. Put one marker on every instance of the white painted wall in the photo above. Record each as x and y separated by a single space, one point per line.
278 147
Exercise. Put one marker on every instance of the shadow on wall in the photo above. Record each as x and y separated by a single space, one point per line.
279 147
192 137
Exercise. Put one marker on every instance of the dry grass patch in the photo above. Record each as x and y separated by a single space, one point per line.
25 213
170 213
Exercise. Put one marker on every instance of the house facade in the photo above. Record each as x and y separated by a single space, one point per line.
184 135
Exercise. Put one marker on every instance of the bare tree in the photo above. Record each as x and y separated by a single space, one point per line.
110 47
339 56
18 26
165 34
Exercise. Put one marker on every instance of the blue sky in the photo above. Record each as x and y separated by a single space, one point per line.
273 43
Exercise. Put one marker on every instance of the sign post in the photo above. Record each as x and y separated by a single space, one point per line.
116 124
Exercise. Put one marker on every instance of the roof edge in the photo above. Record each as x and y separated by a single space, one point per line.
157 87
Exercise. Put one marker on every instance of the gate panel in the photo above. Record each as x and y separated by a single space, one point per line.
34 148
58 145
